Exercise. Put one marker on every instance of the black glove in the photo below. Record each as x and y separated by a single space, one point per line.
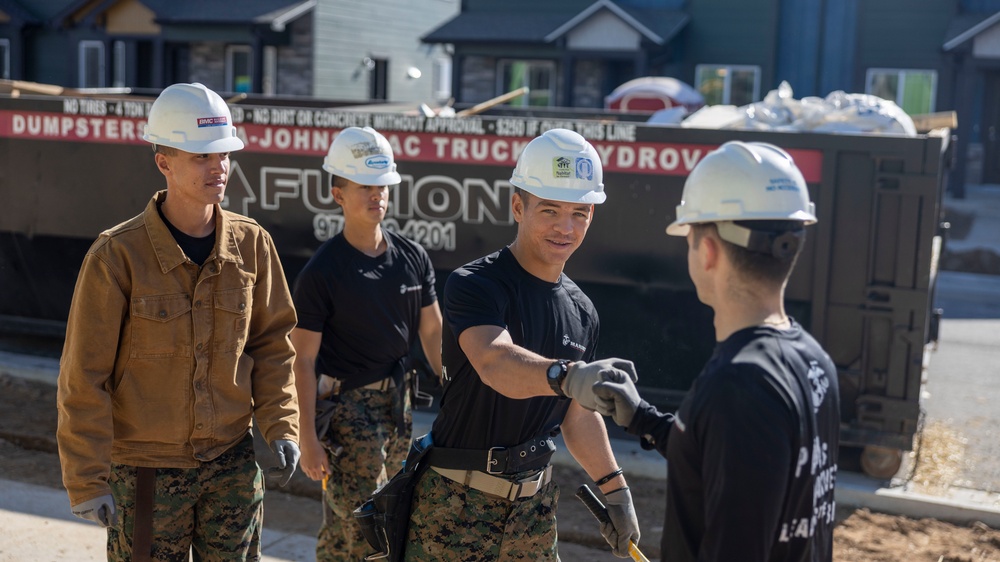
288 458
100 510
624 527
581 377
616 396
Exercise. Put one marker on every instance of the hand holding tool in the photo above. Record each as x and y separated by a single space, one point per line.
598 510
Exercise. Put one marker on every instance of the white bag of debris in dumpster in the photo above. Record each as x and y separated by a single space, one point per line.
839 112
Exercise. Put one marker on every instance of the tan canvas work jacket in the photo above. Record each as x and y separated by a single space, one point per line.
165 361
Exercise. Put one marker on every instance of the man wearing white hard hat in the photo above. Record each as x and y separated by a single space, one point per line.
752 450
178 335
519 347
363 300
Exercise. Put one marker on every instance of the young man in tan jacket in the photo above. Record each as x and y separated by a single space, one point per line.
178 334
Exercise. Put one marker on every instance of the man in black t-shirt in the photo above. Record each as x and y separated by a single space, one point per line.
361 300
520 344
752 450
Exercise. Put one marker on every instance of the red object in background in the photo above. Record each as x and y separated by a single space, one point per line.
653 93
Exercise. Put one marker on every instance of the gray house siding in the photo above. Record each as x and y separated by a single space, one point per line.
347 31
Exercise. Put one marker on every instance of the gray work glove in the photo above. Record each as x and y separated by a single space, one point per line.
100 510
581 377
616 396
288 458
624 527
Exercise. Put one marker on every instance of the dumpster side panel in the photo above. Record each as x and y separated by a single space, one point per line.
73 167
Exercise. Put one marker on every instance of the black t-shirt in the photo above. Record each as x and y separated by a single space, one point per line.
196 249
555 320
368 309
752 453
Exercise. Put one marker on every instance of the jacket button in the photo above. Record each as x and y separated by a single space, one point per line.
199 426
163 314
199 347
197 304
243 306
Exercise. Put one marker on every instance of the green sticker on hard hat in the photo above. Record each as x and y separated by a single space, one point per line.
562 167
584 169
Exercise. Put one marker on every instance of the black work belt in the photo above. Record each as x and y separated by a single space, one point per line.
533 454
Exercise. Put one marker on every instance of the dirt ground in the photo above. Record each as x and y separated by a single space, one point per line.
27 454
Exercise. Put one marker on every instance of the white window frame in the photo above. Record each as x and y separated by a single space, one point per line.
901 74
525 101
727 88
441 78
5 59
231 51
82 50
119 68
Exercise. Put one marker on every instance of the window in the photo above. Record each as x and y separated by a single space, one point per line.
118 64
728 84
912 90
537 75
238 67
378 78
5 59
441 76
91 74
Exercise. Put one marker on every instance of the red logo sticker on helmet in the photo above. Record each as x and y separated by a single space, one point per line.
212 121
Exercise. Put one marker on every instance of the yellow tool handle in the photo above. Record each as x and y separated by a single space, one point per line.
633 551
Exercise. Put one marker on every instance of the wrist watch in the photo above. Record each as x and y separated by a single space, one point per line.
556 374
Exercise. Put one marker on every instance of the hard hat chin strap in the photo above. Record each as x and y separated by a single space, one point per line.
780 244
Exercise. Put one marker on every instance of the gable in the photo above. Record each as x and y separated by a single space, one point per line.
131 17
604 31
986 44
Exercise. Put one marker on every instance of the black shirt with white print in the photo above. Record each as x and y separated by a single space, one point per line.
555 320
367 308
752 452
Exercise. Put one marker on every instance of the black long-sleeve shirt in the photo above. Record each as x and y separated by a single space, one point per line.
751 452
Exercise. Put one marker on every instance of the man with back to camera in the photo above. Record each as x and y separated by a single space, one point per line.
362 299
752 450
177 335
519 347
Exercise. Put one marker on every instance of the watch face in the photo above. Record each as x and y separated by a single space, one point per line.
554 370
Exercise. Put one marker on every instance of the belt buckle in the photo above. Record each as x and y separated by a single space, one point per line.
490 461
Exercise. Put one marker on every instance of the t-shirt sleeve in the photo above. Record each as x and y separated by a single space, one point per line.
311 296
471 301
746 433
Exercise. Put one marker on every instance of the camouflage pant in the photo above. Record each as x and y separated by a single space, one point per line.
215 509
452 522
373 451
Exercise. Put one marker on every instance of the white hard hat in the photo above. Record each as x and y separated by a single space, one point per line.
192 118
744 181
363 156
560 165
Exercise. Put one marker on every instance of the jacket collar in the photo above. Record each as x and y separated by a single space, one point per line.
169 253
